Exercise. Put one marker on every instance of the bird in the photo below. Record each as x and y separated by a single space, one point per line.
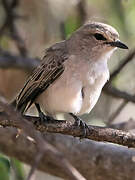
72 73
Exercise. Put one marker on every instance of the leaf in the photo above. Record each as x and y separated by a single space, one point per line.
4 168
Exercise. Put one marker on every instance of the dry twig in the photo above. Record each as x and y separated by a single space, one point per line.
9 24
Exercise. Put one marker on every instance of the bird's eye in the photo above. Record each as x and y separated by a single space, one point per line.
99 37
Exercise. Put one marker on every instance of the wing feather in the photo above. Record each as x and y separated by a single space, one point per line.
51 68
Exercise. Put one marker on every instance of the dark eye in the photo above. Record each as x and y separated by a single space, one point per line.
99 37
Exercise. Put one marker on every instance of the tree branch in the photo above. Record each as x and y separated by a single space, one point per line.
94 160
8 60
109 89
124 62
11 16
66 127
125 126
117 112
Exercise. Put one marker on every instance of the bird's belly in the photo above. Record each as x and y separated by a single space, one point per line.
61 99
58 99
91 97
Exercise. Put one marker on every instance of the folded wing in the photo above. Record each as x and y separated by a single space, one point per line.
51 68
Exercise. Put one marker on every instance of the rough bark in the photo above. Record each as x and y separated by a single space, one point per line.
96 161
68 128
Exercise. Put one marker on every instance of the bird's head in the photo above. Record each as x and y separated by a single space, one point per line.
97 38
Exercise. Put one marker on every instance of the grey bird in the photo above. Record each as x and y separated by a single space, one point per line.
72 73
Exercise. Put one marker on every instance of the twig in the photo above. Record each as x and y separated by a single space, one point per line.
124 62
117 112
125 126
9 24
109 89
82 11
95 133
62 30
35 165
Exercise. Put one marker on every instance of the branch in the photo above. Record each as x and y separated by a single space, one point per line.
81 7
66 127
126 126
109 89
117 112
95 133
124 62
11 16
8 60
89 157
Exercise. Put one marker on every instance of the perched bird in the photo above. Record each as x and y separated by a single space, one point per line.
72 72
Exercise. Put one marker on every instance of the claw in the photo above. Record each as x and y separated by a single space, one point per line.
80 123
43 117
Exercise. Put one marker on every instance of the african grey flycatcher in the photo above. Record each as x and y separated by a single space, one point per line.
72 72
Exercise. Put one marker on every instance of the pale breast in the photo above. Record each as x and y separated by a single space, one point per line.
96 78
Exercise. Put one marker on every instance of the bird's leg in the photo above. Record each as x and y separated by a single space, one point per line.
81 123
42 116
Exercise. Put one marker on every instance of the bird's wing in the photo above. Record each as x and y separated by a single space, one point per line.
49 70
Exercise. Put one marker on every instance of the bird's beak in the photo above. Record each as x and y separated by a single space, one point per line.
118 44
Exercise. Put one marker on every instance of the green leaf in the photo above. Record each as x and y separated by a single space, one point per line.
4 168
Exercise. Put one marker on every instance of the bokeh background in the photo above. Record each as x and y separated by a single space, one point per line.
42 23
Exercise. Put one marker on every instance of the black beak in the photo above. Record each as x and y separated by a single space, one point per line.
118 44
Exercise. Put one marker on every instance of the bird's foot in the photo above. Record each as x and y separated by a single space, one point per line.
43 117
79 122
